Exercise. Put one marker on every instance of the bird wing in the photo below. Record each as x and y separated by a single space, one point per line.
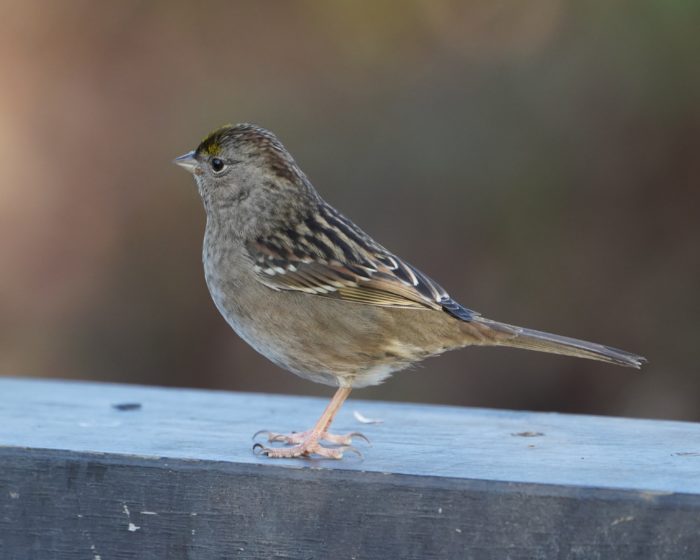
327 255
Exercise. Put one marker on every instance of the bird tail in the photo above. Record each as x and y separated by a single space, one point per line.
502 334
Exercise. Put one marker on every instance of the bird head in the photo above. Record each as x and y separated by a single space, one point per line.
245 170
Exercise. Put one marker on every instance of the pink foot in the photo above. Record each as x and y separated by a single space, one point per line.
306 449
296 438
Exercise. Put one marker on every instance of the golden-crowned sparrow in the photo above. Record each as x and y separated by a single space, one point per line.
308 289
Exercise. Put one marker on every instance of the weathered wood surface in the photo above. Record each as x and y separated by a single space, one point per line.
176 478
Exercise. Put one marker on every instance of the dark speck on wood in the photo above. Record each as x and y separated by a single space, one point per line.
127 406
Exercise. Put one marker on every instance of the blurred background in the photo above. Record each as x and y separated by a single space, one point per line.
541 160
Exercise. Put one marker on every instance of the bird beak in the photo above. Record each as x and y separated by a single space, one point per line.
188 161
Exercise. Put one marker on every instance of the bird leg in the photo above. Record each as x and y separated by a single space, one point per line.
308 443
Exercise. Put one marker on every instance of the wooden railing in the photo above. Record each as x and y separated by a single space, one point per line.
101 472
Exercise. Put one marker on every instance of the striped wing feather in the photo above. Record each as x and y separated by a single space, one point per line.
328 255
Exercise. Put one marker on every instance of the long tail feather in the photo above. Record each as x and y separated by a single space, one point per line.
530 339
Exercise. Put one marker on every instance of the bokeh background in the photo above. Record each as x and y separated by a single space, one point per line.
540 159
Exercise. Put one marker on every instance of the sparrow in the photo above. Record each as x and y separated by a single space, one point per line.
316 295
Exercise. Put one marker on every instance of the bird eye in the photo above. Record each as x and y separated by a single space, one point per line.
217 165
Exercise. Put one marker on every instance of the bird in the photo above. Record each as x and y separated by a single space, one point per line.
311 291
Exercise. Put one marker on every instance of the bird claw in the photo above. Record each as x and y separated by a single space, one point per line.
256 434
359 435
355 450
297 438
305 449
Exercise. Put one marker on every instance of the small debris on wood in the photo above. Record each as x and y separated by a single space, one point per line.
362 419
625 519
127 406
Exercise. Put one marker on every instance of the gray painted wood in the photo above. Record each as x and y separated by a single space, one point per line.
175 478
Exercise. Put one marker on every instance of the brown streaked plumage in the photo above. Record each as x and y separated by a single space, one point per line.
308 289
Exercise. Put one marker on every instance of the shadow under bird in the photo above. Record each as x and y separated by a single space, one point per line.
308 289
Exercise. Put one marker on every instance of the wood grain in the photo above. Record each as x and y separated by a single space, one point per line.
175 477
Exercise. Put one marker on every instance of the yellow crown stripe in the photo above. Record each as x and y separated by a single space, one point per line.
211 144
